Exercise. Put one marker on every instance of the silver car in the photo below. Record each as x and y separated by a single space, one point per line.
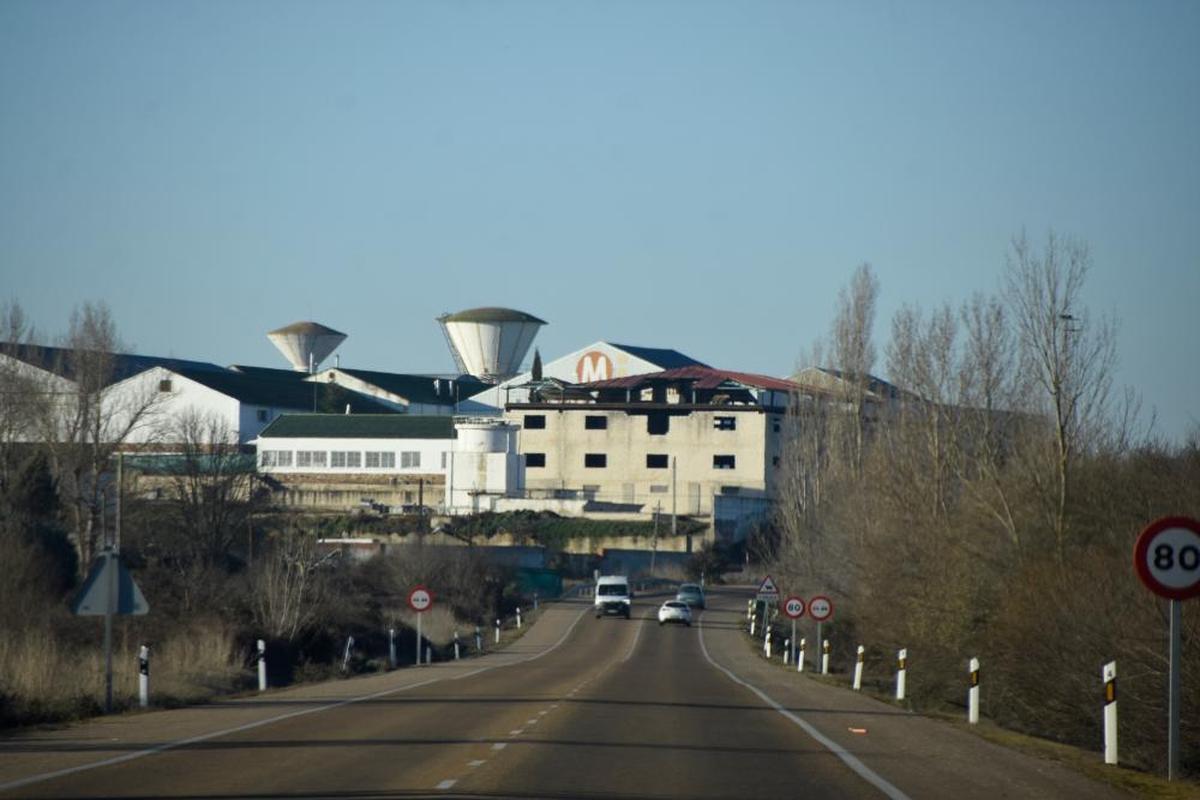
692 594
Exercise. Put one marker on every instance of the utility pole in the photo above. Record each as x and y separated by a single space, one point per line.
674 519
654 546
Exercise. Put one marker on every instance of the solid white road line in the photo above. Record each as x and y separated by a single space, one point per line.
848 758
444 785
499 745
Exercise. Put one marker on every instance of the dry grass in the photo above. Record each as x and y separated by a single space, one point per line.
42 680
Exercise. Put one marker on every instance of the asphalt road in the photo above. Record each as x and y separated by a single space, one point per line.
578 708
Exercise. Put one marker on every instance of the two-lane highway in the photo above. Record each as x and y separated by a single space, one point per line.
578 708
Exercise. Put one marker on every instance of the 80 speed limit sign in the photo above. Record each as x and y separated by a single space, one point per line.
1167 557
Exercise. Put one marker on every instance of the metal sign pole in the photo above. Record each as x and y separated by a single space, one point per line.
1173 705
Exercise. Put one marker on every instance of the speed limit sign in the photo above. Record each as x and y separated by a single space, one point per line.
420 599
793 607
1167 557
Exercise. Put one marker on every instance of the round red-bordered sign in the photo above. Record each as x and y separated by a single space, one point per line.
820 608
794 607
420 599
1166 557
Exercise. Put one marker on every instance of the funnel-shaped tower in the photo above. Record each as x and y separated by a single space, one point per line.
306 344
490 343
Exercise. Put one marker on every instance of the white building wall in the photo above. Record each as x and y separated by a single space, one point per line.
428 461
163 398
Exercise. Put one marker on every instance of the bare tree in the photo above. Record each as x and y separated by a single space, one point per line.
1067 355
853 351
290 586
85 424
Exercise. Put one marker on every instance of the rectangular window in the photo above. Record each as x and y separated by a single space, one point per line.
387 460
775 426
590 490
410 459
724 462
337 458
728 490
535 422
354 459
595 423
595 460
373 459
164 385
535 459
283 458
318 458
264 415
266 458
659 488
303 458
656 461
443 459
658 424
725 423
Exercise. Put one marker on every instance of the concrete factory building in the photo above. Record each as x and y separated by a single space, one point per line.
695 440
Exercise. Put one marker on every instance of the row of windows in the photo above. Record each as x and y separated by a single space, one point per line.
653 461
656 423
340 459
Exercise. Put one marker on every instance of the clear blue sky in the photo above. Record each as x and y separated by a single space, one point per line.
696 175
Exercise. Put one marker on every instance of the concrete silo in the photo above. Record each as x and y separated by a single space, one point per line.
306 344
490 343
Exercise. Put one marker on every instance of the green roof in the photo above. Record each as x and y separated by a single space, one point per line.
359 426
490 314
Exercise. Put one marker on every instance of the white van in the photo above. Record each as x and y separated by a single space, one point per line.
613 596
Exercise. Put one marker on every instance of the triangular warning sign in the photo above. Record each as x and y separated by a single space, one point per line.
768 588
109 582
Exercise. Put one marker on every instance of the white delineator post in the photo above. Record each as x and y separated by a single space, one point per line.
1109 673
456 645
901 669
751 625
973 693
858 668
787 651
825 658
144 676
518 619
392 647
497 631
262 665
767 644
800 656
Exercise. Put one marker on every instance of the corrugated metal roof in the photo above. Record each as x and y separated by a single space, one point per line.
700 377
419 388
360 426
665 358
61 361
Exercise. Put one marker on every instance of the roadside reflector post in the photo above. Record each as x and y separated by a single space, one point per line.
262 665
144 676
478 639
787 651
497 631
346 654
767 643
901 669
858 668
518 619
973 693
428 655
1109 673
392 647
800 656
825 657
752 625
456 645
535 601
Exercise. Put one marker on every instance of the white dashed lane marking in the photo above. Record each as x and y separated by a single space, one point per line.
479 762
499 745
444 785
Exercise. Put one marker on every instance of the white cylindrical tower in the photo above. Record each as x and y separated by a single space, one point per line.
490 343
306 344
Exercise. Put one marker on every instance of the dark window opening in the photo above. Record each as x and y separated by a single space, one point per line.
593 423
164 385
535 422
656 461
658 424
725 423
595 460
724 462
535 459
